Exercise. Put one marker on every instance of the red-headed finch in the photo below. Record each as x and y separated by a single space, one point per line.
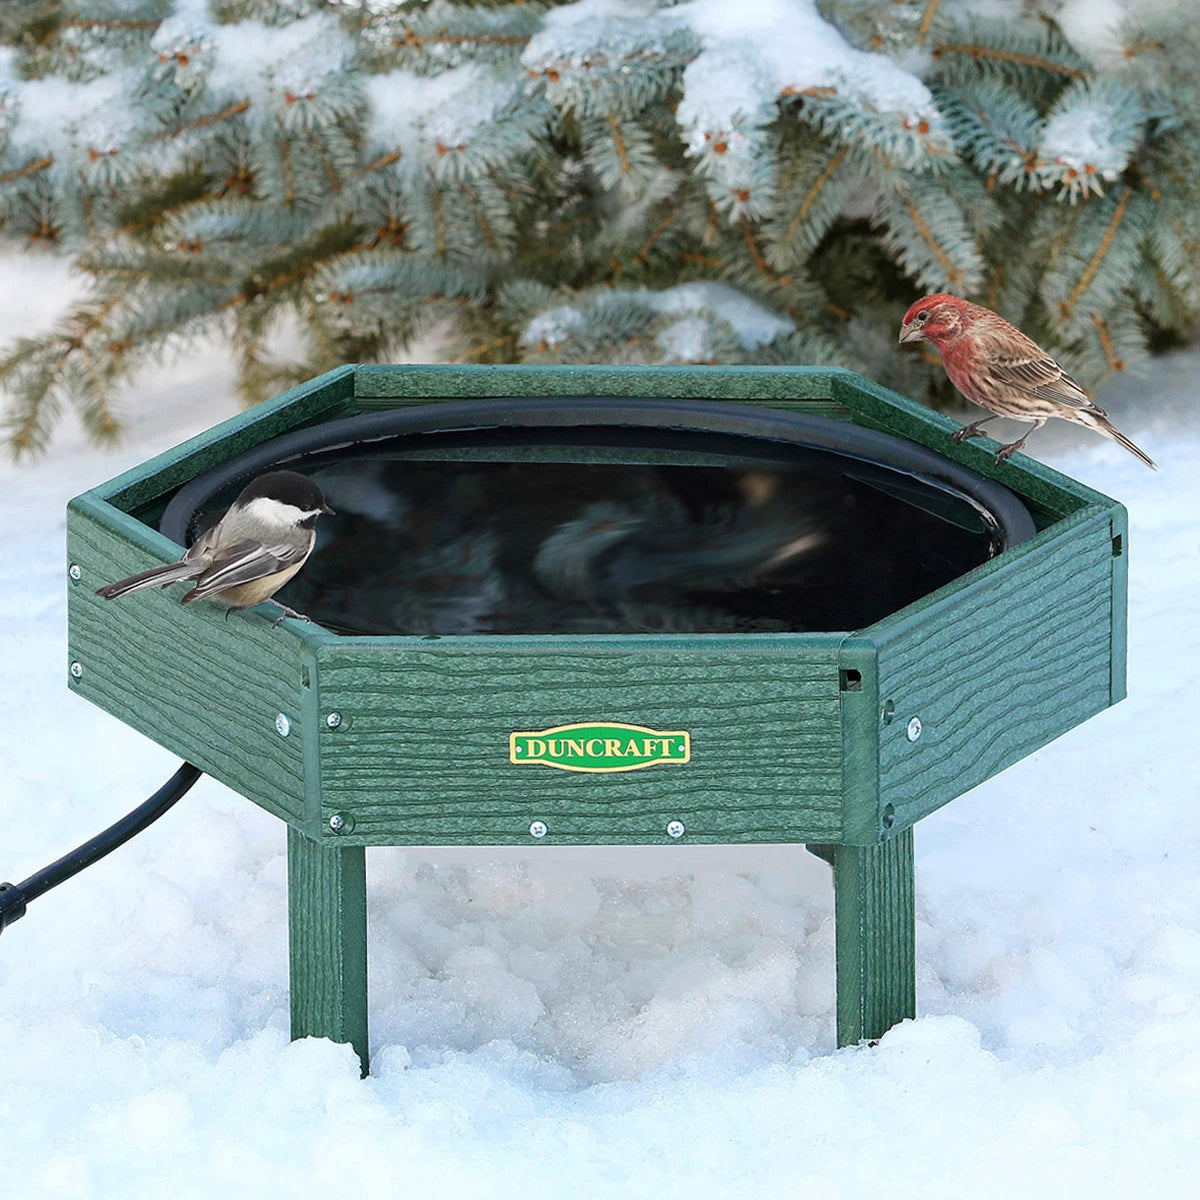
997 367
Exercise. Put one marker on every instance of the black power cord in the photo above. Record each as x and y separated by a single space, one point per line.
15 897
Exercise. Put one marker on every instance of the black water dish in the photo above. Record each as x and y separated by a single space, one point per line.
591 515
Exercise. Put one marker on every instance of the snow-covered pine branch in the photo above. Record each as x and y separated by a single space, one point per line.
363 169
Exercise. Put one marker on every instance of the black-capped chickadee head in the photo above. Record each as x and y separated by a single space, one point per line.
282 497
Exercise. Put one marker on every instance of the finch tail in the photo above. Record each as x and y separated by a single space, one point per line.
1101 424
156 576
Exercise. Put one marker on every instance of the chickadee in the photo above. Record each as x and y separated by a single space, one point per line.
251 552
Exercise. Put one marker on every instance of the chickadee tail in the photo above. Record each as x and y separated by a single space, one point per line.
1101 424
156 576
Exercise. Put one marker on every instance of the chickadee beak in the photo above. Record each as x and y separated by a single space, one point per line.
326 509
911 333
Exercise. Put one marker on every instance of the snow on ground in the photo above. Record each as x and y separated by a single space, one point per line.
633 1022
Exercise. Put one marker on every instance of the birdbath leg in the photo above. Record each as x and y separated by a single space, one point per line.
875 935
327 941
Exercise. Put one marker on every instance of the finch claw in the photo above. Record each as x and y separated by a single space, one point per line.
966 432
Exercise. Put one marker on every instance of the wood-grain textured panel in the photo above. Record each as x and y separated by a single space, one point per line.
997 668
860 743
419 382
421 756
876 937
1120 600
205 688
327 942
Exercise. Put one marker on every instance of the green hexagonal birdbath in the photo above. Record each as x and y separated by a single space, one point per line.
905 667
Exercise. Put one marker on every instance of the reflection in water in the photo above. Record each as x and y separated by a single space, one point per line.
466 547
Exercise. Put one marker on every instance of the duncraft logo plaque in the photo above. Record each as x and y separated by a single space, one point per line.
600 746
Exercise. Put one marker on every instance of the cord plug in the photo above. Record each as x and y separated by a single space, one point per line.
12 904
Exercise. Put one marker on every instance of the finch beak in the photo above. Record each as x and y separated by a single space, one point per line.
911 333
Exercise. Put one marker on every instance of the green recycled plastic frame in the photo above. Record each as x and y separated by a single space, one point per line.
838 741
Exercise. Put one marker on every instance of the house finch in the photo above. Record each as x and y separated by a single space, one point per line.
997 367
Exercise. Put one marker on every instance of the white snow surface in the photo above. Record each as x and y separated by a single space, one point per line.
792 46
686 341
1095 134
754 323
448 108
254 59
1093 26
52 113
625 1022
751 53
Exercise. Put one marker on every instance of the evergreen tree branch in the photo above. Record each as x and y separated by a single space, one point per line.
109 23
1097 258
643 251
285 162
815 190
756 255
39 367
811 196
703 260
619 141
180 193
1106 342
327 167
93 403
439 220
483 349
236 108
34 407
954 275
413 40
30 168
372 169
980 53
334 244
926 24
379 162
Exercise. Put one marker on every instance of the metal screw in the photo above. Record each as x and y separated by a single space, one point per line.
282 725
675 829
337 822
914 729
538 829
77 670
333 720
76 572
